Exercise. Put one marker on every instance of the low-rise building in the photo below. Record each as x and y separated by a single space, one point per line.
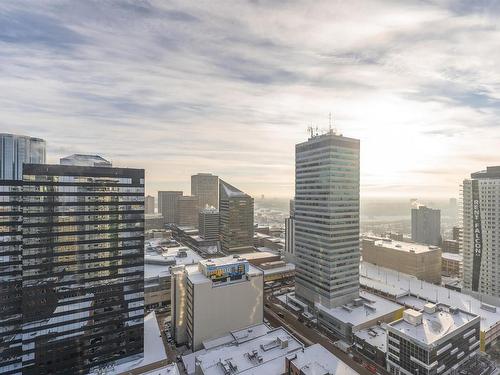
260 349
412 293
372 343
436 340
362 312
421 261
452 264
450 246
214 297
157 273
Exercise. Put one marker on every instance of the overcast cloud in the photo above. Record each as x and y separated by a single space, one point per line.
179 87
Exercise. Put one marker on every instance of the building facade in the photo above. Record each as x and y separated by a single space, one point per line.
149 205
208 223
421 261
82 267
438 340
481 237
426 225
327 219
214 297
15 150
452 265
168 206
205 186
236 212
188 211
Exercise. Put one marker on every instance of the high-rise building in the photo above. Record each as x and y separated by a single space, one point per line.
481 237
188 211
426 225
214 297
208 223
289 239
82 267
327 219
168 206
149 205
235 219
206 187
15 150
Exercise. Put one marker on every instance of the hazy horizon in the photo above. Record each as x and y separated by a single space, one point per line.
180 87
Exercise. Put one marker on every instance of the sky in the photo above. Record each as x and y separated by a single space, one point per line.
230 86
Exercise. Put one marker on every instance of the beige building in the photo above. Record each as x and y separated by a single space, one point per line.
188 211
421 261
452 264
214 297
205 186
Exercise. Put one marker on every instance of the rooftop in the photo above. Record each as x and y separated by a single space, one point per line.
158 264
85 160
452 256
434 325
402 286
316 360
232 192
366 308
376 336
262 351
403 246
196 271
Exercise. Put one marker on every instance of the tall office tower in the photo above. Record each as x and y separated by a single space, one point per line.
16 150
168 203
481 237
292 207
290 239
208 223
235 219
188 211
206 187
82 267
327 219
149 205
426 225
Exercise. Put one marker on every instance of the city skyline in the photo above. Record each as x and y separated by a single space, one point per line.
179 88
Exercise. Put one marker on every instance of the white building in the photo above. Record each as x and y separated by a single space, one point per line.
215 297
327 219
437 340
481 237
260 349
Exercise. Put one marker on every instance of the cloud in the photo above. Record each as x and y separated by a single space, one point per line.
179 87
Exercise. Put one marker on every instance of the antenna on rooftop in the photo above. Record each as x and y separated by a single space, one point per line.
311 130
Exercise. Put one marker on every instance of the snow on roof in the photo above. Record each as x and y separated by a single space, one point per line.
376 336
370 307
434 326
158 265
315 360
262 353
154 350
452 256
170 369
401 285
231 191
403 246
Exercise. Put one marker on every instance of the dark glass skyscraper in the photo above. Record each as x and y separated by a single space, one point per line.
74 280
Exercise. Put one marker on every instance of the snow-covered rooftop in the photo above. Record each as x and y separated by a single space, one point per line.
403 246
376 336
452 256
315 360
401 285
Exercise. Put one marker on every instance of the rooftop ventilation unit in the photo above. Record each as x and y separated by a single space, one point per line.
430 308
412 317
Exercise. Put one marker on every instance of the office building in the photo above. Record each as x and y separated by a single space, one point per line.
452 265
450 246
426 225
168 206
205 186
82 267
15 150
407 291
457 233
235 219
437 340
149 205
327 219
289 239
188 211
481 237
208 223
421 261
214 297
